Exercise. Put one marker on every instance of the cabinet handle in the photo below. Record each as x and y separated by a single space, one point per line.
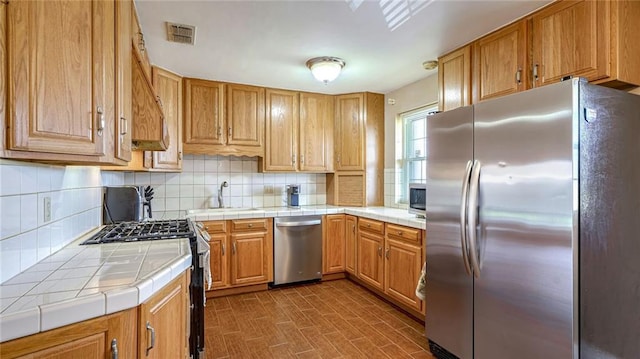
302 159
386 254
250 225
233 248
230 132
114 349
219 131
519 76
293 159
534 73
100 113
379 251
354 229
159 102
338 159
153 337
180 155
224 248
124 126
141 42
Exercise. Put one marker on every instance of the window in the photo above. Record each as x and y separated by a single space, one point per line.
412 164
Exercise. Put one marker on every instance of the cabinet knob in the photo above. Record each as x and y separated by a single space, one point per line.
250 225
368 225
399 233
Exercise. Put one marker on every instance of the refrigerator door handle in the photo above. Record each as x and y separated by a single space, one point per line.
463 217
472 217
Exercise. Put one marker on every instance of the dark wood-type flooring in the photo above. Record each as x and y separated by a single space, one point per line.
335 319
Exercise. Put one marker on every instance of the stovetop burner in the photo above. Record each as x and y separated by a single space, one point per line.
143 231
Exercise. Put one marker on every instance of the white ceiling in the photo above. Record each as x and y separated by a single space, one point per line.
267 43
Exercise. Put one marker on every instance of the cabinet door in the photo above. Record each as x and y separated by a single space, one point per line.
571 38
281 130
123 115
316 132
90 339
219 262
350 243
163 319
349 129
169 88
249 262
245 115
402 270
333 256
204 112
454 79
370 263
500 63
60 74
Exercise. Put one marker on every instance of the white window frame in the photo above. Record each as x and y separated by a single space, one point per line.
402 146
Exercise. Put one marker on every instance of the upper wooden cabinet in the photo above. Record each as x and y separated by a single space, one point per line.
60 80
245 115
350 132
454 79
500 63
222 118
169 88
122 135
316 132
281 131
591 39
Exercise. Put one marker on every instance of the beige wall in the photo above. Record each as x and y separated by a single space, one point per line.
412 96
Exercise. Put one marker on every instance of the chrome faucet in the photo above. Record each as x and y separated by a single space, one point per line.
220 199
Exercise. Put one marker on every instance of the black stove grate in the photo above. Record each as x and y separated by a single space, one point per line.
143 231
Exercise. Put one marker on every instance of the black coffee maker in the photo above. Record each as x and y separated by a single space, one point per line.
293 196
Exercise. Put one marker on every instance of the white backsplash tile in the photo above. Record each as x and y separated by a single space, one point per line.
25 236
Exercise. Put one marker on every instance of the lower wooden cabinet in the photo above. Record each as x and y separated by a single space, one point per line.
162 328
370 268
404 255
241 252
350 237
333 246
96 338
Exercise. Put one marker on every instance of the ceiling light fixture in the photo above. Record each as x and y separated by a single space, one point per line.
325 68
430 65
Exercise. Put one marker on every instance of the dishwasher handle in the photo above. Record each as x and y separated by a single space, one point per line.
299 224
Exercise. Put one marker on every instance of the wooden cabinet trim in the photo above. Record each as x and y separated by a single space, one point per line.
403 233
370 225
241 225
213 227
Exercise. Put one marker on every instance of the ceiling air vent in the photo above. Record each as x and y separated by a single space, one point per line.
184 34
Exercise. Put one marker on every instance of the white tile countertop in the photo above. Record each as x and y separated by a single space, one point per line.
83 282
385 214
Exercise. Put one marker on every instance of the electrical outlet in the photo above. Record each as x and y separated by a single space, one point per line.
47 209
268 189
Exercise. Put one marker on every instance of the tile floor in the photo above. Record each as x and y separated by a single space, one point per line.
336 319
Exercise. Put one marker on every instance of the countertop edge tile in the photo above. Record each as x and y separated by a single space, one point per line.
145 290
71 311
121 299
161 278
19 324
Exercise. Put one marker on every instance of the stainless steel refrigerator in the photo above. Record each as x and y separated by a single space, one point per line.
533 226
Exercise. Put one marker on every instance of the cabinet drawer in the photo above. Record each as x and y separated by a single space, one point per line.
238 225
215 226
371 225
407 234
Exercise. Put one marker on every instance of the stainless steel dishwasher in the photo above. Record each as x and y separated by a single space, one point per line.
297 249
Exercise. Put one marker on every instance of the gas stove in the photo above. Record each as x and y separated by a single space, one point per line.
143 231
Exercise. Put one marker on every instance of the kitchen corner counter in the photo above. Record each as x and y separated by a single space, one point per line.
83 282
386 214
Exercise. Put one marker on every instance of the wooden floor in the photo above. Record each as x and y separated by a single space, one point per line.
336 319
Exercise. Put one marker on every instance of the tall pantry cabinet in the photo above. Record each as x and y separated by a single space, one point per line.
359 151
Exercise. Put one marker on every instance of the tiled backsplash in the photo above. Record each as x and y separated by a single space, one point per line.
198 183
393 189
74 194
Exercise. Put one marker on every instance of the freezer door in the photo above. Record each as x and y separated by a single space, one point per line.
449 292
523 293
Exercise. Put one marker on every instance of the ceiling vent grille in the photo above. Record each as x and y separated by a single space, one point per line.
184 34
